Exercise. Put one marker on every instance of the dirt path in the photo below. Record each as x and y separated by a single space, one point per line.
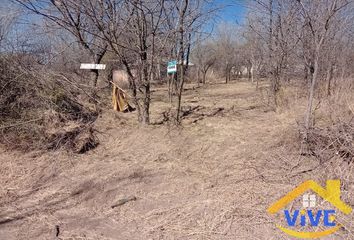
210 179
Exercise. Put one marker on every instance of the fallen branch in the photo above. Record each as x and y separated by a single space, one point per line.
124 201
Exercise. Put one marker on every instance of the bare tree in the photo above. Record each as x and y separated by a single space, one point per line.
318 19
226 48
131 29
254 50
192 15
182 10
275 24
140 33
69 15
127 28
204 56
7 20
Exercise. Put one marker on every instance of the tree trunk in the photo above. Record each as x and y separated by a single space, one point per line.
97 58
133 87
95 75
146 108
227 75
158 71
308 74
180 92
188 53
170 80
204 77
329 80
308 118
275 87
181 58
252 76
198 76
249 74
146 100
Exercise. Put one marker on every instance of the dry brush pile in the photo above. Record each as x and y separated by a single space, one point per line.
332 141
332 135
39 110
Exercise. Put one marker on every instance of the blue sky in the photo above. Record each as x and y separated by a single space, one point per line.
234 11
231 12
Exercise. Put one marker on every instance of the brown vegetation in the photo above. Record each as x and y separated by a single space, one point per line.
253 110
211 179
39 110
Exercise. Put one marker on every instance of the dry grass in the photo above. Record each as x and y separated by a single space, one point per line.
208 179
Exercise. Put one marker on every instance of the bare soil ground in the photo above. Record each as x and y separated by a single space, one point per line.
211 178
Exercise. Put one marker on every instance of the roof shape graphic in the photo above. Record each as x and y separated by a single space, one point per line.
331 194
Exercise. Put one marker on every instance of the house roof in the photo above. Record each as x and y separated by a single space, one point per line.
331 194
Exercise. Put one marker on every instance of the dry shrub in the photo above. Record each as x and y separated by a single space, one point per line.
332 141
333 134
39 110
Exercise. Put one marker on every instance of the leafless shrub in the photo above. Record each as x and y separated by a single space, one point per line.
333 133
38 111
